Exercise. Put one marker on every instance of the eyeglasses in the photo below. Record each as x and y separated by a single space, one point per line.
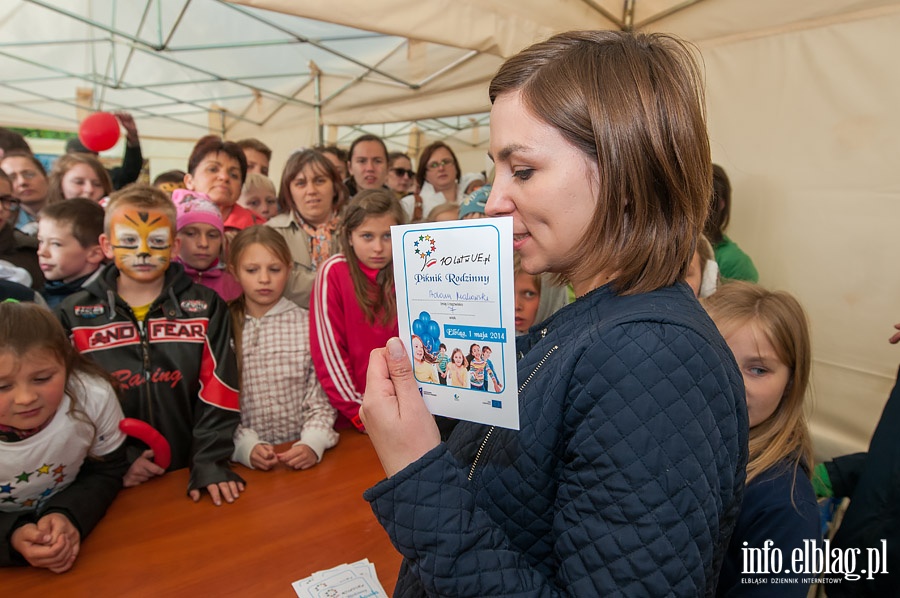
401 172
25 174
10 203
435 165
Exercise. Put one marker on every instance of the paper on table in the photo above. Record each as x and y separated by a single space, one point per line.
356 580
455 303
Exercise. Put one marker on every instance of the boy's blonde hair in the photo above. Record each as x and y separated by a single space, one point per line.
258 181
784 436
140 196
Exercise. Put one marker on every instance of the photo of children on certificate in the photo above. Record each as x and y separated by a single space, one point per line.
455 305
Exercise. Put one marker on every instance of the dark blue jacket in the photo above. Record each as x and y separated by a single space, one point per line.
779 508
626 476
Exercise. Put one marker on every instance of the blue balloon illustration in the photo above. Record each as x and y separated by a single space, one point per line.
418 328
432 344
425 316
434 329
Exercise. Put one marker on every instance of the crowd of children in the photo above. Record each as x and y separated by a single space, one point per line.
178 308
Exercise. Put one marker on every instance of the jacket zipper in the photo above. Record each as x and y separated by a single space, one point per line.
491 431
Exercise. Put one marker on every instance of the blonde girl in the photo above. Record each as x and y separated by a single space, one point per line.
458 370
769 336
353 309
59 415
281 398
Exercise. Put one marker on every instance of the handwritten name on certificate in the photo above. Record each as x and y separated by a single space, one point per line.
456 311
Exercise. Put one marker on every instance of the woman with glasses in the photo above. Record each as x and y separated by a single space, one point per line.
438 181
29 185
401 177
16 247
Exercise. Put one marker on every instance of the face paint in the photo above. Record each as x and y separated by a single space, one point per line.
141 243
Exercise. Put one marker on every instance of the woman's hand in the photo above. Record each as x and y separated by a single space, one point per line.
395 416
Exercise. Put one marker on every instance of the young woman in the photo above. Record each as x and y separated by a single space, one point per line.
400 176
281 399
58 412
353 308
78 175
627 473
769 336
310 200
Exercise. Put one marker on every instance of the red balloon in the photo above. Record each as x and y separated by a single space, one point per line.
99 131
162 452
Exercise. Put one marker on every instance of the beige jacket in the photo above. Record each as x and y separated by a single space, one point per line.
303 275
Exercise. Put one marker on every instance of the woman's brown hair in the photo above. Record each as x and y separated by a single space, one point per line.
633 104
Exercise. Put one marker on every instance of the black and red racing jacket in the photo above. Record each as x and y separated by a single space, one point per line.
177 370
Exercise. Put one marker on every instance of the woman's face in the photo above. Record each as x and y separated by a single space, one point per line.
312 192
30 186
440 170
546 184
219 176
399 176
81 181
418 349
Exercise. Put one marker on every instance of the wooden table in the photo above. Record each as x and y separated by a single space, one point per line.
155 541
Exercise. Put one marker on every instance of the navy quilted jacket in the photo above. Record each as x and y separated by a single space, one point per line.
626 477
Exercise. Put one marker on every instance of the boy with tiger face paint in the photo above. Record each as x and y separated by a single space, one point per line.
167 341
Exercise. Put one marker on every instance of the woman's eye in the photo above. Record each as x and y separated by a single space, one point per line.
523 174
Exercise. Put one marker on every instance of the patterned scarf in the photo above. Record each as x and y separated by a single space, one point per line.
321 244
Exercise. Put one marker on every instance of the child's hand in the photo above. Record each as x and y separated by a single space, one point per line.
299 456
52 543
142 470
263 457
227 490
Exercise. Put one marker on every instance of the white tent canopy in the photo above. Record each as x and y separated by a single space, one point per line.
802 111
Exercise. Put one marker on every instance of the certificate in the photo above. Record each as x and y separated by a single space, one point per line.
456 312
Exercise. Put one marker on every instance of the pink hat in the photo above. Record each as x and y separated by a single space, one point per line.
196 207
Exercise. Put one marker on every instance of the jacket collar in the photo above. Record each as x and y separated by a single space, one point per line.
105 287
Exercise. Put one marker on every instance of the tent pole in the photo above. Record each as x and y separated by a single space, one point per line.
317 91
